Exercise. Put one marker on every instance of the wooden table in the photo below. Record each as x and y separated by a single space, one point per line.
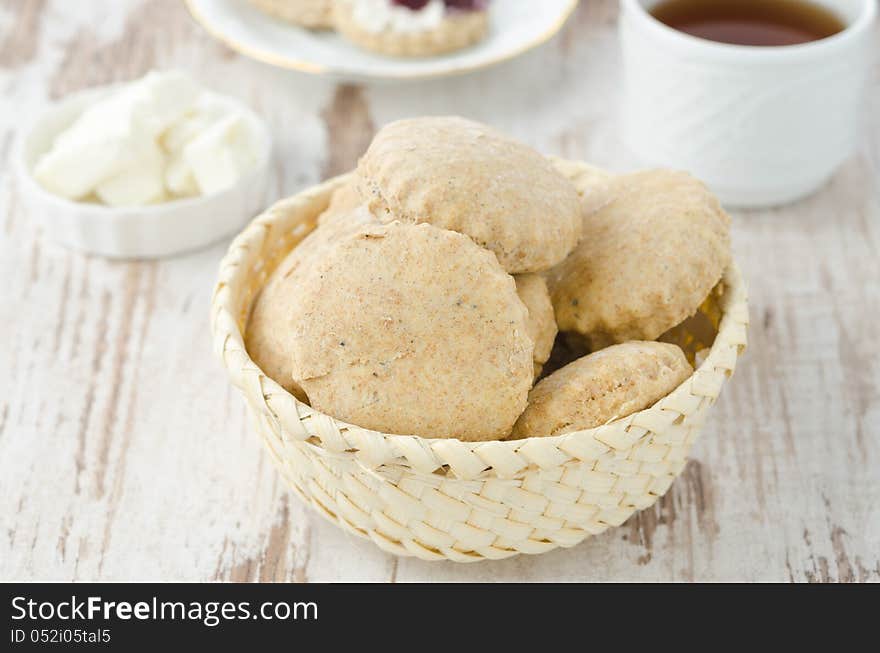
126 455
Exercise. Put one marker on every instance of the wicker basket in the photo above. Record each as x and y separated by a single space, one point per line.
445 499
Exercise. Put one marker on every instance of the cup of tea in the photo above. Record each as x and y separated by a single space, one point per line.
761 99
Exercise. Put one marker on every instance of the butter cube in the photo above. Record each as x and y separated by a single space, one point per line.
179 178
222 154
163 98
140 183
207 111
102 141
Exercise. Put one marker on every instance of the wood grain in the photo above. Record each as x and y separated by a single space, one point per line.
125 454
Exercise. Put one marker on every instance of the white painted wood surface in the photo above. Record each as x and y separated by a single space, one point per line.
125 454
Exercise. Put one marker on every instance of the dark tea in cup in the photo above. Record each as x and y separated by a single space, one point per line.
750 22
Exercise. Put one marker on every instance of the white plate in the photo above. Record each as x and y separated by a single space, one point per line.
516 26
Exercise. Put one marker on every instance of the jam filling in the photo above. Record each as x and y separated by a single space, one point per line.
461 5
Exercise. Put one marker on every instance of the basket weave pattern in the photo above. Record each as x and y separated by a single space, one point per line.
445 499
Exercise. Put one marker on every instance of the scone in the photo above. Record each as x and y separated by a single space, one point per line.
412 28
606 385
646 262
274 314
541 324
593 184
313 14
344 200
413 330
464 176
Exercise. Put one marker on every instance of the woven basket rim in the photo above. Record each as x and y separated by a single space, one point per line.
374 448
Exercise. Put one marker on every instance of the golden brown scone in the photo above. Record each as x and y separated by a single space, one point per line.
541 325
593 184
604 386
411 329
646 262
344 200
313 14
463 176
274 313
456 30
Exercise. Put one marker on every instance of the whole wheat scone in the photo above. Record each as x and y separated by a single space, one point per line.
344 200
456 30
541 325
313 14
464 176
411 329
646 262
606 385
593 184
274 314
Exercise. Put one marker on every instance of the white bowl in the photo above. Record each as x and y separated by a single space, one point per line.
139 231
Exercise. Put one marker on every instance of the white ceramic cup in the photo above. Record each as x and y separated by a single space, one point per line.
761 126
